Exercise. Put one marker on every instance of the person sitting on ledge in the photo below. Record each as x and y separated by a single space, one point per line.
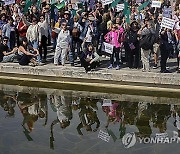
25 57
89 59
5 54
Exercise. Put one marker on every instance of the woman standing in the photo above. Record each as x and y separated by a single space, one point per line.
63 45
133 50
34 35
113 37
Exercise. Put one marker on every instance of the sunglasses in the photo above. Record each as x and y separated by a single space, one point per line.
5 40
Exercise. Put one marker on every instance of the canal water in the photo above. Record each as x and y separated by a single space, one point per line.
37 120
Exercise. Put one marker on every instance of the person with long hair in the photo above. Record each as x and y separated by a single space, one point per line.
24 54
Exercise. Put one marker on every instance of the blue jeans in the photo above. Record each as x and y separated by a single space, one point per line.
35 45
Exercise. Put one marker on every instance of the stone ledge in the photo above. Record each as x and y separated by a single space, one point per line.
124 75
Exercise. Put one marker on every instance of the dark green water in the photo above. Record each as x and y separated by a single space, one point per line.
35 121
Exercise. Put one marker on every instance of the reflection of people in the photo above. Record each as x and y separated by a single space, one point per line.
114 114
61 105
8 103
88 117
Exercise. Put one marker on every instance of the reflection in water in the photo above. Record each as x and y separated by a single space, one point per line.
145 116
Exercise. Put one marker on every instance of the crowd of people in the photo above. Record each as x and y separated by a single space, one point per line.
79 30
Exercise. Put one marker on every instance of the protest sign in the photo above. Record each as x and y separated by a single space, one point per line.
8 2
139 1
106 2
119 7
167 23
156 4
107 102
108 48
167 12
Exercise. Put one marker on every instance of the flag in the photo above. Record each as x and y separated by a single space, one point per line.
145 4
38 4
127 15
60 6
127 12
28 4
113 4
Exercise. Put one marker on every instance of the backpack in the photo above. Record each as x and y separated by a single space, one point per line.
147 41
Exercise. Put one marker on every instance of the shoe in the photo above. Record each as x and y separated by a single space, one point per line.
155 66
31 64
165 71
40 64
72 64
44 60
117 67
110 66
178 71
167 67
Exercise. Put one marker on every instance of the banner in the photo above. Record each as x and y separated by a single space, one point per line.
168 23
106 2
8 2
119 7
108 48
156 4
145 4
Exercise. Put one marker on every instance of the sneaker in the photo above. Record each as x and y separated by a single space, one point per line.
41 64
110 66
117 67
155 66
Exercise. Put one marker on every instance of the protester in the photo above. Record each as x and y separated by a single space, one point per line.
112 37
88 22
24 54
89 59
147 32
5 54
63 45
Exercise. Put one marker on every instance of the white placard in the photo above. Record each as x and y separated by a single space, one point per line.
168 23
156 4
104 136
119 7
107 102
108 48
106 2
8 2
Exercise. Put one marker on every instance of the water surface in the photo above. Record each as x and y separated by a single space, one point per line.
36 120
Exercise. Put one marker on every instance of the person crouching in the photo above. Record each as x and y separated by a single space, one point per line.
89 59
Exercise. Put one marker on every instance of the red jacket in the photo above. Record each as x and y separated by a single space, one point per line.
22 32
